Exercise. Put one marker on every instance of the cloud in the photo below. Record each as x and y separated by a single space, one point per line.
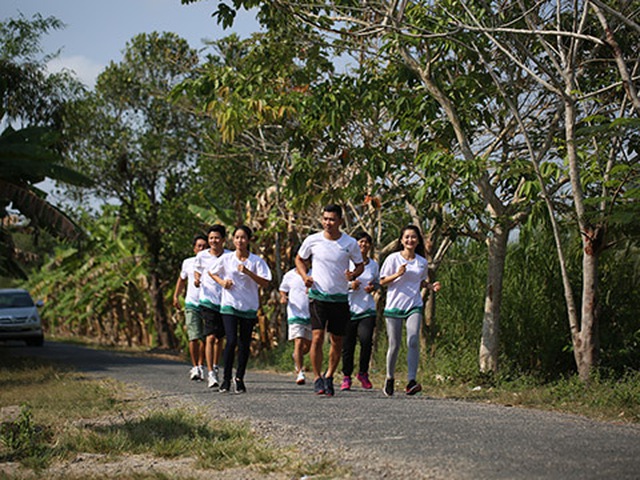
84 68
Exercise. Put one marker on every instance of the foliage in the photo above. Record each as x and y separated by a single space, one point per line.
23 440
434 125
143 149
101 291
32 153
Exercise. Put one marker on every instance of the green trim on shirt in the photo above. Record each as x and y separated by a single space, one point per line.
299 321
210 305
328 297
398 313
228 310
191 306
365 314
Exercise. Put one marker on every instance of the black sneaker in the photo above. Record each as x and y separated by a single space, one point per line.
388 387
412 388
239 386
318 386
225 387
328 387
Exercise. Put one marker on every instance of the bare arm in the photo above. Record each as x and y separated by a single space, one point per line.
301 267
228 283
263 282
283 297
352 275
179 288
388 279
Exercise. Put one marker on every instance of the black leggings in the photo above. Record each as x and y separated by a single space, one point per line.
362 329
242 341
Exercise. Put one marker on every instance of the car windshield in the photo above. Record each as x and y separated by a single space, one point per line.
15 300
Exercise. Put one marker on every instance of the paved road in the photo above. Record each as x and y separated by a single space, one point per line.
444 439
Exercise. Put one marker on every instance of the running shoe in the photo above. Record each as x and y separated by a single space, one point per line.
364 380
300 380
346 383
194 373
239 386
388 387
213 381
225 387
328 387
318 386
201 374
412 388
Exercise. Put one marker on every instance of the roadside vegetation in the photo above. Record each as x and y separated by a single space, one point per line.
51 416
608 396
516 151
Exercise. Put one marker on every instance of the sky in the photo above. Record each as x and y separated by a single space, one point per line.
97 31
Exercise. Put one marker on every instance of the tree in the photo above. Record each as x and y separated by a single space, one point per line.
142 147
33 152
581 54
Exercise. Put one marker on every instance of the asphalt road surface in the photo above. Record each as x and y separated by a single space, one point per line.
444 439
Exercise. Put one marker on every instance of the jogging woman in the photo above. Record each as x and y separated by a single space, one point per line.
240 273
405 272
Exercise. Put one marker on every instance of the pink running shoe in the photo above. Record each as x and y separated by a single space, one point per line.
346 383
364 380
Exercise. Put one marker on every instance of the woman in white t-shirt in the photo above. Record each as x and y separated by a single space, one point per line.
362 307
405 273
240 273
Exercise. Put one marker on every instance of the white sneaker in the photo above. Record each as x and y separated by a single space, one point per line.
194 374
201 373
300 380
213 378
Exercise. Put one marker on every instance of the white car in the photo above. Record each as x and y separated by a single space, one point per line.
19 318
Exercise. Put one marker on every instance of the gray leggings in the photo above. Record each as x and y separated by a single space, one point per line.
394 334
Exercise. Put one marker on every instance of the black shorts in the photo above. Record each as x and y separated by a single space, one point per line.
334 316
212 322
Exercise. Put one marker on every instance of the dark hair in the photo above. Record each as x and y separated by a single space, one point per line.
197 237
218 229
420 250
360 234
245 229
333 208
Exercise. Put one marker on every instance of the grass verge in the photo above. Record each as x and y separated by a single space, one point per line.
51 415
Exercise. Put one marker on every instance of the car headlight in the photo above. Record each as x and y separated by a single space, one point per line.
33 319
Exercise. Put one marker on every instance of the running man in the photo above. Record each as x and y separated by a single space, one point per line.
210 293
193 319
293 294
330 252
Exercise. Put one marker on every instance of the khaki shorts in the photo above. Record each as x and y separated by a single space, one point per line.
194 324
299 330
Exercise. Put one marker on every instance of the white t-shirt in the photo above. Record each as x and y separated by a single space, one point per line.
210 291
191 299
298 299
361 303
330 261
403 294
243 298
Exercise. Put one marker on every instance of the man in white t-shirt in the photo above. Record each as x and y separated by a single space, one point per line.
330 252
210 293
193 319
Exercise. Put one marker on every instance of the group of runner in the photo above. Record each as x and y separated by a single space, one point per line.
330 291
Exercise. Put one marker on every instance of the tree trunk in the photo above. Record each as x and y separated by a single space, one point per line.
497 244
431 328
164 333
586 344
585 340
